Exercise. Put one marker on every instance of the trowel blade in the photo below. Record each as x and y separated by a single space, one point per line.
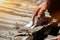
29 24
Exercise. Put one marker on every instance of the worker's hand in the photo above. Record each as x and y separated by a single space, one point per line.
35 12
39 10
43 8
56 38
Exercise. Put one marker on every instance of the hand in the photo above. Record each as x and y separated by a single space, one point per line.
35 12
43 8
39 10
56 38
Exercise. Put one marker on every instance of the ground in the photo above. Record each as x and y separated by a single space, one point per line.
12 17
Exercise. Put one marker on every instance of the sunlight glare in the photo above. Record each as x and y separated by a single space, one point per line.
2 2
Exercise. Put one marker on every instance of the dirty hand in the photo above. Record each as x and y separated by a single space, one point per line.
43 8
39 10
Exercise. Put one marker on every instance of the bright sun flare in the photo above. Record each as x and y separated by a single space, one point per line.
2 1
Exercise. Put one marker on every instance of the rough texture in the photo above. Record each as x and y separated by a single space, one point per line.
13 17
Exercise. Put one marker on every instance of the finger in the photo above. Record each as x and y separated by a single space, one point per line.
35 13
40 14
41 11
55 38
36 10
58 37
